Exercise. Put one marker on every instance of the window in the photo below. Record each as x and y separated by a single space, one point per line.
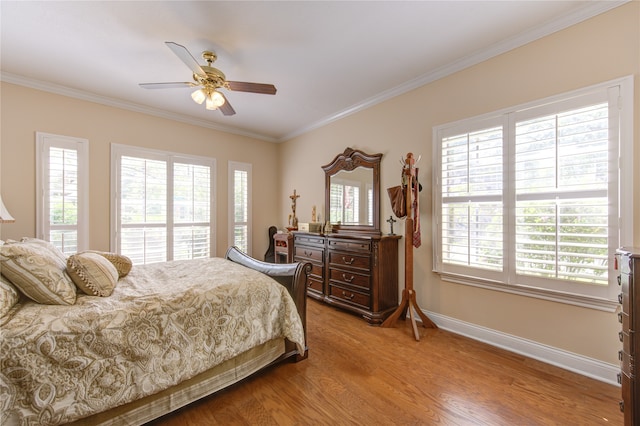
345 202
240 206
527 199
62 212
163 204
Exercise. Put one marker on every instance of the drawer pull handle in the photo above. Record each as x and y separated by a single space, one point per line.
619 378
620 317
348 297
621 403
344 277
620 298
621 336
619 355
309 253
619 280
347 262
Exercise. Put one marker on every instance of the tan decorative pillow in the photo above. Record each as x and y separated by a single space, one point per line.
94 274
37 269
8 296
122 263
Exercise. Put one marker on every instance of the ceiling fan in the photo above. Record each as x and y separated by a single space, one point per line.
208 80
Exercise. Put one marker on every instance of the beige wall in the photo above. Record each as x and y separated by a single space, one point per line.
595 51
27 111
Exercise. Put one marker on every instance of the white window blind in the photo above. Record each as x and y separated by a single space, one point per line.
240 205
163 204
472 199
345 202
62 180
561 183
527 198
191 210
369 204
143 209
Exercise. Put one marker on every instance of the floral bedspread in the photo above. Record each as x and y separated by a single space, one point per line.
163 324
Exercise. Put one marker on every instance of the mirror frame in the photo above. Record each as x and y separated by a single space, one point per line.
349 160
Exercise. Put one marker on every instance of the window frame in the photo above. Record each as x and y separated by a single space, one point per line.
170 158
619 94
234 166
44 142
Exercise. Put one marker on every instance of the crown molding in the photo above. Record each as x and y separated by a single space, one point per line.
117 103
589 11
592 9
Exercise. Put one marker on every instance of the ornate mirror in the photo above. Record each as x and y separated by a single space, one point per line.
352 192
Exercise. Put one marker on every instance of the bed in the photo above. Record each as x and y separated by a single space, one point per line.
167 334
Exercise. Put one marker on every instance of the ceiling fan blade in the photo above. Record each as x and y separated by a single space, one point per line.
226 107
242 86
176 85
186 57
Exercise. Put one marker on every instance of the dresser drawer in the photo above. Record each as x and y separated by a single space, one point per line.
626 264
309 253
625 382
625 298
349 296
317 270
306 239
627 341
623 318
350 260
345 245
350 278
315 284
627 365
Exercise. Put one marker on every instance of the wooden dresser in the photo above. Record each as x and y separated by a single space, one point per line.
356 273
627 262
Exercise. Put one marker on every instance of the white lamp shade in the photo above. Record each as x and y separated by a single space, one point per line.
198 96
209 104
214 100
5 216
217 98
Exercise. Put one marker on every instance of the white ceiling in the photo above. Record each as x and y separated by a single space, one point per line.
326 58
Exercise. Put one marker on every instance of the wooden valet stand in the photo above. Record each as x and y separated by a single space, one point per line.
408 302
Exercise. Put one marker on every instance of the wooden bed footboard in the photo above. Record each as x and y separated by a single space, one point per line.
291 275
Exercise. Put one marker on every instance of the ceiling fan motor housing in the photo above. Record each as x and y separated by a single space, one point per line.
213 77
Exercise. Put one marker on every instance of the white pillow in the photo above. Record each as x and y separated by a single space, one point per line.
38 269
122 263
8 296
94 274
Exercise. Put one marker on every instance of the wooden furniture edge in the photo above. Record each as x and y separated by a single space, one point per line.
293 276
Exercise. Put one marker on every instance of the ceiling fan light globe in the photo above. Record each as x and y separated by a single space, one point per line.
199 96
217 99
210 105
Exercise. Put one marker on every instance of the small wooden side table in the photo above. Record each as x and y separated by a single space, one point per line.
283 247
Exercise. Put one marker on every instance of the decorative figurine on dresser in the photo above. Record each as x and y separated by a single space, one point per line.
354 266
627 263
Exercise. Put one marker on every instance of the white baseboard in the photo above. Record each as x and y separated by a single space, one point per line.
586 366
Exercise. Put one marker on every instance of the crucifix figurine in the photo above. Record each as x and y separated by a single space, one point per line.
391 221
294 219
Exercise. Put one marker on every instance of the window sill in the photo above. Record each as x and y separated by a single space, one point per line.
538 293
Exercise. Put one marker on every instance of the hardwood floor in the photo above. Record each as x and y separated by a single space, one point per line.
359 374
